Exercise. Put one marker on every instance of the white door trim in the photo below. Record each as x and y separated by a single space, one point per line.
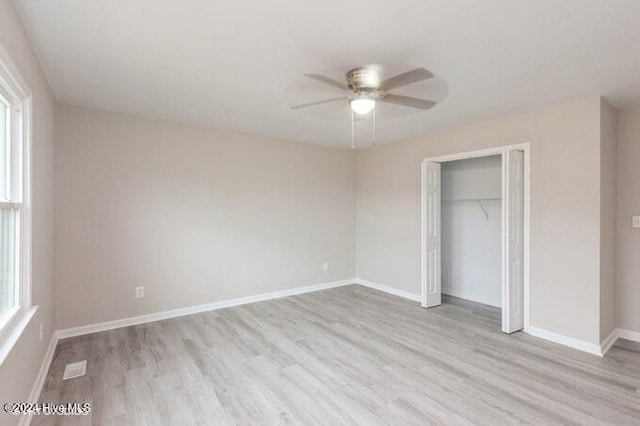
500 150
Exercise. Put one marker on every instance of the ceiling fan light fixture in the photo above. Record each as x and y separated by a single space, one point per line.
362 106
367 89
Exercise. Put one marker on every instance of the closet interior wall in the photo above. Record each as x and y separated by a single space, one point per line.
471 229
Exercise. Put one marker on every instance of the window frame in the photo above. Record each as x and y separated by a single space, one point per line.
15 92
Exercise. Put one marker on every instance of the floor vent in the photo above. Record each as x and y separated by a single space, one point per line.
75 369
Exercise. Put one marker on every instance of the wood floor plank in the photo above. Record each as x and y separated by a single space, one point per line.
349 355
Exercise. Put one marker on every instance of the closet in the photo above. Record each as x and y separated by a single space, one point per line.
471 229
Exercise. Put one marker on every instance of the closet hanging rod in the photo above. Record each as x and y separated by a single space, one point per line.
471 199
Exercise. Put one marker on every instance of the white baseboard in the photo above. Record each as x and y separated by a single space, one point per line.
25 419
609 341
618 333
628 334
581 345
390 290
189 310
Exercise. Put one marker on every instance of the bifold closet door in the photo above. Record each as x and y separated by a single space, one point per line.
431 250
513 294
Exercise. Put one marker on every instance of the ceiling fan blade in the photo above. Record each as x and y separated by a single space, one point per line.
326 101
407 101
327 80
408 77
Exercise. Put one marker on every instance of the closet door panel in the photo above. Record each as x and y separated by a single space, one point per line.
431 244
513 299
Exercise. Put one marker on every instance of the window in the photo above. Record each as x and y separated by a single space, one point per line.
15 254
9 214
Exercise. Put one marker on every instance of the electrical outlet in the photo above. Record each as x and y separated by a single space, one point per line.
325 266
635 221
139 292
41 331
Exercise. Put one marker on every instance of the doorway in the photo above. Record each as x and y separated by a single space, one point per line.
478 187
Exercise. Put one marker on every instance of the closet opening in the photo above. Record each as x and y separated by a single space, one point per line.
472 229
475 232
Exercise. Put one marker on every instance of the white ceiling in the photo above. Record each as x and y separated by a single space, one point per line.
238 64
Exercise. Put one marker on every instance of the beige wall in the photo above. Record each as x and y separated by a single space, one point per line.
19 370
565 209
607 219
628 244
195 215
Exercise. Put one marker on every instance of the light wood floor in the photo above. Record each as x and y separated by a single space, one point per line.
349 355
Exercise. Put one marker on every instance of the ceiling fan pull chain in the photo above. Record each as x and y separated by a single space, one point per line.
353 145
374 129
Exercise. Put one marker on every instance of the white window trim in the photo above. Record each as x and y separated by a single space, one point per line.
16 320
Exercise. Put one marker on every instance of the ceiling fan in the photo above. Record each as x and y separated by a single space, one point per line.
367 89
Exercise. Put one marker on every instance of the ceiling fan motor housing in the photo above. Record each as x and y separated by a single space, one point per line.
363 79
364 82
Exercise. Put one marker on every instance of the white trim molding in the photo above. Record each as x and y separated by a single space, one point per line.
618 333
396 292
36 390
189 310
609 341
12 330
44 368
15 92
571 342
628 334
